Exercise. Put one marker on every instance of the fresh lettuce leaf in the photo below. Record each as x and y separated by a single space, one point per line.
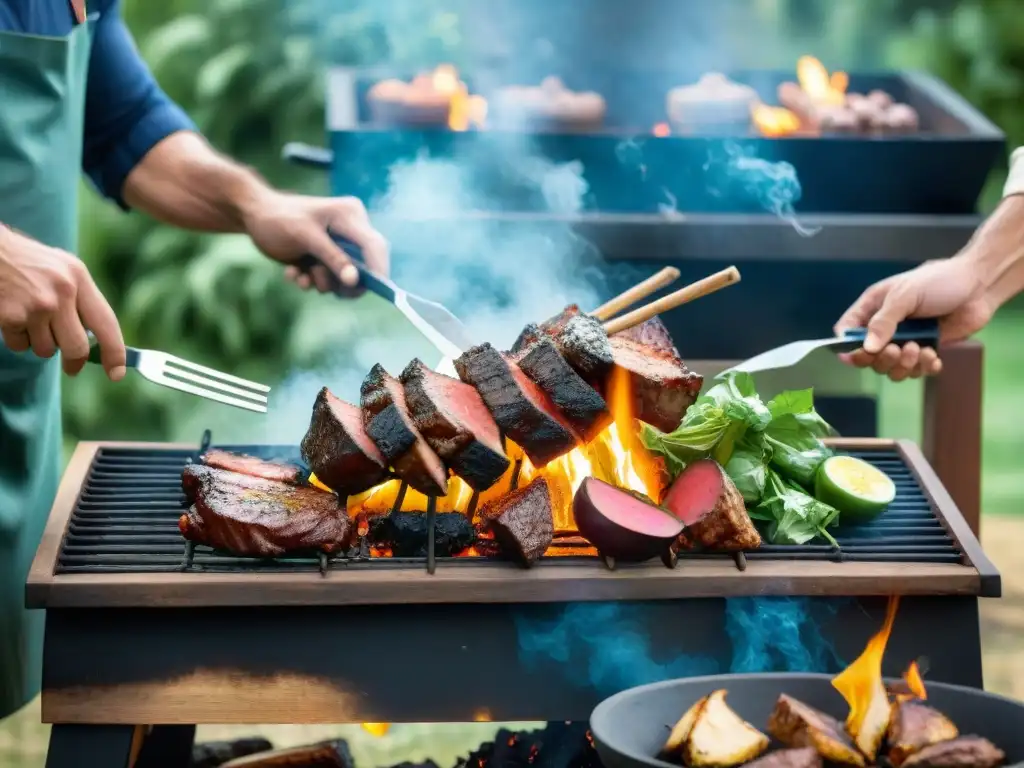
748 466
793 516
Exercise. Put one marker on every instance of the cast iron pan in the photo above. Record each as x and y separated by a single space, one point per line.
630 728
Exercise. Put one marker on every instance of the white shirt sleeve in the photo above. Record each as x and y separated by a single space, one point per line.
1015 179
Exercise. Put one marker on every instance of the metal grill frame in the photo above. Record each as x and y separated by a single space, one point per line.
806 570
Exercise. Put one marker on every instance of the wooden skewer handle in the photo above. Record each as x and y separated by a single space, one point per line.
626 299
708 285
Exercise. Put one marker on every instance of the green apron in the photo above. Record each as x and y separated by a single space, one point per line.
42 98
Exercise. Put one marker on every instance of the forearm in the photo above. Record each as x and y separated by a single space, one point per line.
183 181
997 248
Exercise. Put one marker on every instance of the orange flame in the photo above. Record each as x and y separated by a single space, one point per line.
774 121
823 88
862 686
377 729
466 109
616 456
915 682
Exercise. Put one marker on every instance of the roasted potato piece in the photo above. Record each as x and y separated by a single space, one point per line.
806 757
914 726
681 730
963 752
797 725
720 738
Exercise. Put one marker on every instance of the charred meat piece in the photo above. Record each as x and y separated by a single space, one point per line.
529 336
797 725
338 450
663 387
580 404
405 533
284 472
962 752
915 726
390 426
587 348
653 334
522 521
807 757
707 501
711 735
254 517
328 754
550 328
520 408
453 418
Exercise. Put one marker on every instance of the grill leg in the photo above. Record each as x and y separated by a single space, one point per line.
167 746
90 746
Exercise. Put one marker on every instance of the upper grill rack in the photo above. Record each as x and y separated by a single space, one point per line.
126 520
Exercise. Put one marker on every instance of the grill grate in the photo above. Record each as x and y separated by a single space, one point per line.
126 520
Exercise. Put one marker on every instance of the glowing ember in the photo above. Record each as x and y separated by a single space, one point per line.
862 687
661 130
774 121
377 729
824 89
482 716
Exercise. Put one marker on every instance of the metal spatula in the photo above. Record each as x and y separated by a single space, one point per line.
176 373
924 332
441 328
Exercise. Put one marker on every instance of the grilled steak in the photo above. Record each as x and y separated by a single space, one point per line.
805 757
390 426
651 333
580 404
707 501
406 533
338 450
281 471
521 409
453 418
255 517
586 347
328 754
797 725
521 521
663 388
962 752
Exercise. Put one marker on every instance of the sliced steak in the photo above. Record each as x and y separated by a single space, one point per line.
338 450
707 501
389 425
522 522
662 386
405 533
651 333
453 418
521 409
550 328
254 517
585 346
284 472
581 405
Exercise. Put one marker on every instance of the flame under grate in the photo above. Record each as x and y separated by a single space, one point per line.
126 519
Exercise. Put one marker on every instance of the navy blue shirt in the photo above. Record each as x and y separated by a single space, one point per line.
126 113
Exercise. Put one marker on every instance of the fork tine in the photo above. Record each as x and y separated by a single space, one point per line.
225 377
193 390
171 368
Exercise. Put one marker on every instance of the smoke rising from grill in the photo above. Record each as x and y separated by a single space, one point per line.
605 640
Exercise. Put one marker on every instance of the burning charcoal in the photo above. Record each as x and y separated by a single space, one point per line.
707 501
712 734
406 533
328 754
283 472
453 418
520 408
915 726
254 517
522 521
963 752
338 450
390 426
651 333
806 757
662 386
580 404
797 725
215 753
585 346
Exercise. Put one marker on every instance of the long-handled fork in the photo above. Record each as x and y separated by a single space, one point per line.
170 371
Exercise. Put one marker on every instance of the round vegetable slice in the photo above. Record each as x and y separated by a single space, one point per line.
858 490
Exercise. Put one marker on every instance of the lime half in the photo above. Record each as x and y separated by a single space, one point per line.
858 490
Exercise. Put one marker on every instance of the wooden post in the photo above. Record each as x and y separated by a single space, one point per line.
952 426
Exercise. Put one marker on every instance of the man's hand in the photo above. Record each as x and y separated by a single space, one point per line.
951 290
286 227
48 300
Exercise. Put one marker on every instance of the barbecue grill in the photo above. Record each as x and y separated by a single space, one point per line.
138 631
